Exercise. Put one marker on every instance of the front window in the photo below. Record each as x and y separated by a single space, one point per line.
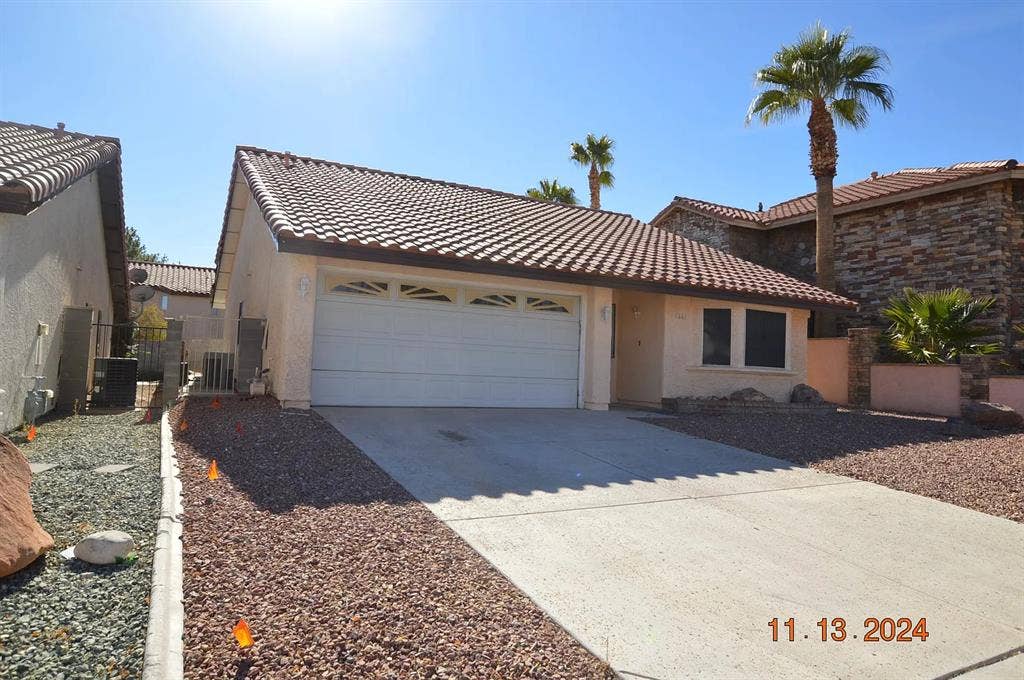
163 302
766 339
717 337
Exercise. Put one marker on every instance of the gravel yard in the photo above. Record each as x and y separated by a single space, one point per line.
950 461
337 569
67 619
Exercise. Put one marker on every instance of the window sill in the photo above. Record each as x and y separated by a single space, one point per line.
756 370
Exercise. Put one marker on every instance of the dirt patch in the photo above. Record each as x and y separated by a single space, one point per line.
931 457
337 569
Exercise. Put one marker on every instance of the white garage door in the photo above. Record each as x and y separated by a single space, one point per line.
392 342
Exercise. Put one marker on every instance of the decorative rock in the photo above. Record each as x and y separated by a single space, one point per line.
22 539
805 394
991 416
104 547
749 394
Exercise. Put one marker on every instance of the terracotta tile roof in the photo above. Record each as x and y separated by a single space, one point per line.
37 163
381 214
178 279
881 186
42 162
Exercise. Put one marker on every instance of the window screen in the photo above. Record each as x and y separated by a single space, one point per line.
766 339
717 336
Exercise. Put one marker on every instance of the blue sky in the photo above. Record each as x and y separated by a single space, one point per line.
492 94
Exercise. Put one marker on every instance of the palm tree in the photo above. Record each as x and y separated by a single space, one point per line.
836 81
596 154
937 327
553 191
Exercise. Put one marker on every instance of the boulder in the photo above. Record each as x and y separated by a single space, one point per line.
104 547
991 416
805 394
22 540
749 394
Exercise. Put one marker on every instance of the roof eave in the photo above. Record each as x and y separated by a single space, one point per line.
449 262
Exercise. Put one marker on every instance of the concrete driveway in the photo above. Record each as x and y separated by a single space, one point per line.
668 555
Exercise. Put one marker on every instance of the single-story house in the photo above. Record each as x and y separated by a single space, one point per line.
182 290
927 228
61 246
385 289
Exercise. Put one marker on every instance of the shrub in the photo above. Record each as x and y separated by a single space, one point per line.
937 327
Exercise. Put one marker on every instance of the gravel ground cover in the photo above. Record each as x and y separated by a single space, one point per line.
63 619
339 572
950 461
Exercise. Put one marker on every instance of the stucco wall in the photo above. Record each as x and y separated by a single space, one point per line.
270 285
179 306
53 258
683 372
912 388
1008 390
828 368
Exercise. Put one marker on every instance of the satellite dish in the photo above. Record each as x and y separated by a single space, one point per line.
138 275
141 294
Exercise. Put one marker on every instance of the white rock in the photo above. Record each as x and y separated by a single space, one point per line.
104 547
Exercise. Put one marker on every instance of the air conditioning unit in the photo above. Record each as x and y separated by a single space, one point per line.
114 382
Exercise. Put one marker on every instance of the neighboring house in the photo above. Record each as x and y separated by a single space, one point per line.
927 228
181 290
385 289
61 245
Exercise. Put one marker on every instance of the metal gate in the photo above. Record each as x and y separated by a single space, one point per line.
220 355
128 365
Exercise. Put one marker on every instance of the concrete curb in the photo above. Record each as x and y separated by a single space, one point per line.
164 659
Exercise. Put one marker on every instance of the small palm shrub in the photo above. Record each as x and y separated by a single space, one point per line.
937 327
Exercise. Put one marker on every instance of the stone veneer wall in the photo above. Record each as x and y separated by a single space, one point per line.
971 237
864 344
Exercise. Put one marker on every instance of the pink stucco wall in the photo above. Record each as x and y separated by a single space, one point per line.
828 369
1007 390
911 388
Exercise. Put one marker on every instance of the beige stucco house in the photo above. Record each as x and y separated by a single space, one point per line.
182 290
61 245
386 289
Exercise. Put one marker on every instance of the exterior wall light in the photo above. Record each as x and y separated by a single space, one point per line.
304 285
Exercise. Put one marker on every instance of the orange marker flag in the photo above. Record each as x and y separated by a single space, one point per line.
212 473
215 403
242 634
31 432
183 425
149 415
238 427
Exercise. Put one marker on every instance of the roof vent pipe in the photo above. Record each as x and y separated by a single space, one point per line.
760 206
60 129
287 160
874 174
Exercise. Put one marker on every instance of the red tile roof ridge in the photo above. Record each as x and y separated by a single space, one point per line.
429 180
790 208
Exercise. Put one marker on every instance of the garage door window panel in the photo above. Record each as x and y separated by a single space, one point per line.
361 288
414 291
493 299
551 305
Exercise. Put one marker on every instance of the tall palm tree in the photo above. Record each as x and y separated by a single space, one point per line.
822 72
553 191
596 154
